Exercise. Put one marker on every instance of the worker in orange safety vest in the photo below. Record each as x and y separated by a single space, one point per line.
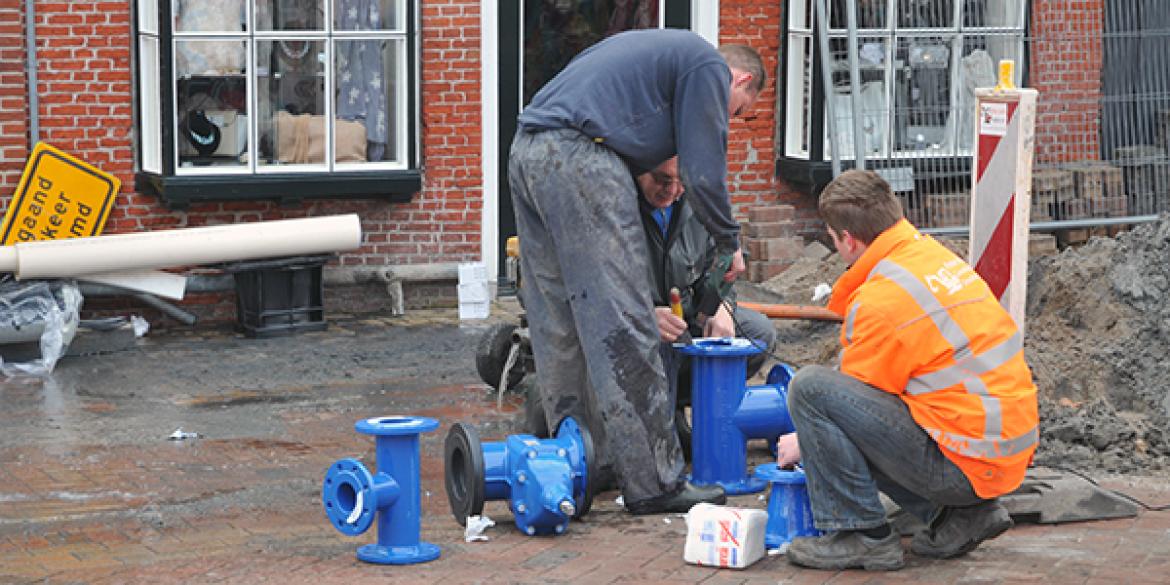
933 403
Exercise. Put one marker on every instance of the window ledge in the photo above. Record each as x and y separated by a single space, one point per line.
180 192
810 176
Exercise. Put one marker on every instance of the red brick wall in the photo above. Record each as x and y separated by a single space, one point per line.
1065 67
751 146
85 109
13 95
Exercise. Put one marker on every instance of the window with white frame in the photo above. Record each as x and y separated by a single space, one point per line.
919 62
273 87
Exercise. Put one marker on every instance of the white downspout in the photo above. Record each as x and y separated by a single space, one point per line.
489 233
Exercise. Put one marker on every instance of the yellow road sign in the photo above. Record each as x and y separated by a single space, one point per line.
58 197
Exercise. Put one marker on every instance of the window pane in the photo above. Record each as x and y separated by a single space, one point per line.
800 15
209 57
874 99
369 14
148 16
290 87
922 99
211 108
926 14
870 13
555 32
799 95
209 15
367 82
149 134
289 15
1003 13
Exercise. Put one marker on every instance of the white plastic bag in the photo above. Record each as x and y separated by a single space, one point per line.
46 312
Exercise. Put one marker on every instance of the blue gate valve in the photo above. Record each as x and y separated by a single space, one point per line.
789 512
726 412
353 496
546 480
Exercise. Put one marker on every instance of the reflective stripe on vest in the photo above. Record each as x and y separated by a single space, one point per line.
849 322
986 448
965 371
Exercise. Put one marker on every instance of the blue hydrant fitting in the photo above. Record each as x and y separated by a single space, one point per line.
789 513
546 480
726 413
353 496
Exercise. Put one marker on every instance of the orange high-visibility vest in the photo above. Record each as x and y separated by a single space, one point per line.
921 324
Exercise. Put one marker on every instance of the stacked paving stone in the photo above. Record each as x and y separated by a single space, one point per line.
771 241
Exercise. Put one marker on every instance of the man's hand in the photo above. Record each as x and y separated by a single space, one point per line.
669 326
721 325
787 451
737 266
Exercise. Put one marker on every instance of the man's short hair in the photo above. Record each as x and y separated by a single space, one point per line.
745 58
860 202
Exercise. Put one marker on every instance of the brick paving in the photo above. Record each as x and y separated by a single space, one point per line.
244 506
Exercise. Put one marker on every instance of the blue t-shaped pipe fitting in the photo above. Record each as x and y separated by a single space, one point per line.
725 413
354 498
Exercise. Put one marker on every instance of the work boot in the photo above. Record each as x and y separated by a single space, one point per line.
847 549
680 500
957 531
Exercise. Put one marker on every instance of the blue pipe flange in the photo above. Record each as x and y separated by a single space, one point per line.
354 498
348 496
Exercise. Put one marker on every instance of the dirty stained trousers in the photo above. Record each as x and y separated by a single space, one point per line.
594 336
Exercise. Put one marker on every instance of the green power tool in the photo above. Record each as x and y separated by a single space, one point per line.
712 288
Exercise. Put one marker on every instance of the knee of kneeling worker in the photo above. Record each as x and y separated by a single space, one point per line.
807 387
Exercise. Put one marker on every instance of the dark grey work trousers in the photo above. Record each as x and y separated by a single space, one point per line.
590 313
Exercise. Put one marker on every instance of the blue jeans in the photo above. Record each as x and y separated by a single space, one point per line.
856 440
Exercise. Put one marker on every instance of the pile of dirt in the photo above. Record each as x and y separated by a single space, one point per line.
1098 331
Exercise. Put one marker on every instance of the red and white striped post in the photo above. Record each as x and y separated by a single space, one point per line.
1001 191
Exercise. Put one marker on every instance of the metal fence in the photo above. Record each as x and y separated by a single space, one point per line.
1102 68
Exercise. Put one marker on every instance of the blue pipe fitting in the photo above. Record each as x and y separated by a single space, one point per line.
726 413
547 481
789 513
353 497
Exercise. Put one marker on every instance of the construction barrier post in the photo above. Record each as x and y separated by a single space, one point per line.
1001 192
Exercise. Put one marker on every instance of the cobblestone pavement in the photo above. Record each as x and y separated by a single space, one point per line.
91 490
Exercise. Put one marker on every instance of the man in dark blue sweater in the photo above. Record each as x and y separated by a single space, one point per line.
621 108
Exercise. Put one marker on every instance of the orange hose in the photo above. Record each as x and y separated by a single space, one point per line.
792 311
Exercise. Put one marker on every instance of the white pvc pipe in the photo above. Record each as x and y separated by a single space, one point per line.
173 248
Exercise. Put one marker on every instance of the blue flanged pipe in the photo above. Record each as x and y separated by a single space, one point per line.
726 413
353 497
545 480
789 513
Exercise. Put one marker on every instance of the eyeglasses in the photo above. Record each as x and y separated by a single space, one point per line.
665 181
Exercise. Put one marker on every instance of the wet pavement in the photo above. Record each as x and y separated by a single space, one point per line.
92 490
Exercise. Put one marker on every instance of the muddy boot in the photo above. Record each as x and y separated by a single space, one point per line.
957 531
847 549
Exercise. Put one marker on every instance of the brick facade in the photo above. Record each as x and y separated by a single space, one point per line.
1065 67
85 90
85 109
751 145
